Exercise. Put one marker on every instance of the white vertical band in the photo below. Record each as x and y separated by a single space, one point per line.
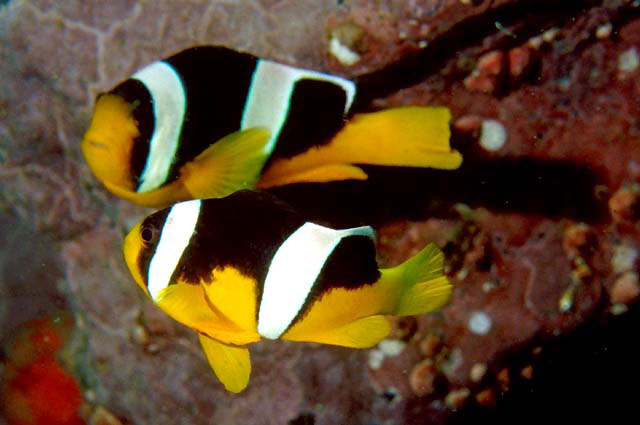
174 238
270 93
293 271
169 107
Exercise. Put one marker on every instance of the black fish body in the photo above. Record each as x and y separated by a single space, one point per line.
209 121
247 266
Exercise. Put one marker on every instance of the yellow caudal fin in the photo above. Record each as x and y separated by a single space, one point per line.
411 136
230 164
421 281
362 333
230 363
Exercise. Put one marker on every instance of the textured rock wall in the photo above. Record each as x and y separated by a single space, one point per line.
539 225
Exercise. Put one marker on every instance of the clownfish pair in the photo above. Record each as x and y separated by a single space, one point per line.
247 266
209 121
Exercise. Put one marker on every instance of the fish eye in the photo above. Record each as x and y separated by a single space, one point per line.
148 234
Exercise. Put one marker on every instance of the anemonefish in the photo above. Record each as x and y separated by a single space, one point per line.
247 266
209 121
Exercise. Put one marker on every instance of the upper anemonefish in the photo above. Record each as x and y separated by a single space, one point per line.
209 120
247 266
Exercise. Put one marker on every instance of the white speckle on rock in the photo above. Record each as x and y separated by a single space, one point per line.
493 135
535 42
456 399
634 167
386 348
345 55
376 357
549 35
624 258
489 285
479 323
564 83
462 274
604 31
628 60
391 347
618 309
452 363
477 372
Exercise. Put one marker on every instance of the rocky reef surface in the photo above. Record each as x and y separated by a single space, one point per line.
539 225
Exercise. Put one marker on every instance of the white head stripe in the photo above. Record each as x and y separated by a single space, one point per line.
292 273
270 92
176 233
169 107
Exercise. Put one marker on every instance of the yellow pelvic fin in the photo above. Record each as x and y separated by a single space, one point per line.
411 136
230 363
228 165
187 304
320 174
361 333
108 141
421 282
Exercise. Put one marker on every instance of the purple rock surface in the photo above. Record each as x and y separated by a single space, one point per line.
539 226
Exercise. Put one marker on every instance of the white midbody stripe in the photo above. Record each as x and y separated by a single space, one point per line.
169 108
270 92
176 233
293 271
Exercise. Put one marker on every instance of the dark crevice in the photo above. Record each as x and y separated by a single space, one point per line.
524 19
524 185
577 378
303 419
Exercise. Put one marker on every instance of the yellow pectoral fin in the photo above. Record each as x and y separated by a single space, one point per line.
233 295
361 333
228 165
188 305
230 363
283 171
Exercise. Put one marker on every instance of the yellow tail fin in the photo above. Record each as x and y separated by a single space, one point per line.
424 286
411 136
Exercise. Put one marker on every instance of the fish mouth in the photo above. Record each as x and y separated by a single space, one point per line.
97 145
131 252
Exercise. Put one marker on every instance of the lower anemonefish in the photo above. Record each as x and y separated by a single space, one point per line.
209 121
247 266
